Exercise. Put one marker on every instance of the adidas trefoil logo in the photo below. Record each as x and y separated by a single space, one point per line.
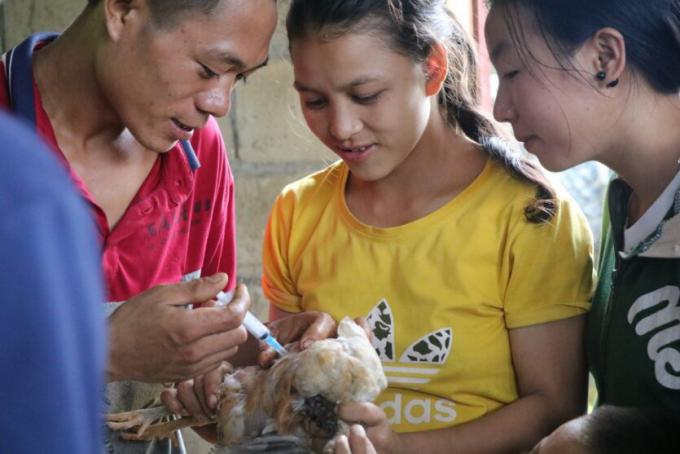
433 348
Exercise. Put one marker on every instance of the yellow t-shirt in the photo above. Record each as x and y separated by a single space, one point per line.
440 293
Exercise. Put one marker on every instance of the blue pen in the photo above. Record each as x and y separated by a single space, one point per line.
255 327
189 152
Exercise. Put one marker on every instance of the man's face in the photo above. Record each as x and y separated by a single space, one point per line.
162 83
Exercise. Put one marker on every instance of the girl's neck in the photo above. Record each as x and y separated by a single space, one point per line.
646 156
442 164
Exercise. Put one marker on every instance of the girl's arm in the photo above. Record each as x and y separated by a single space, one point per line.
549 362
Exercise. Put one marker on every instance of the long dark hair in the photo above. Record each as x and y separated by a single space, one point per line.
413 27
651 29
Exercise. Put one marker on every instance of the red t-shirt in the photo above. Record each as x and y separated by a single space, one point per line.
181 223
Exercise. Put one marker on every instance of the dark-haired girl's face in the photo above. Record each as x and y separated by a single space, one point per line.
554 112
363 100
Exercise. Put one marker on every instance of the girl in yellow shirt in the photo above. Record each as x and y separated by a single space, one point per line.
472 271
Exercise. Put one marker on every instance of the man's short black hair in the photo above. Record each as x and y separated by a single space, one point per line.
630 430
165 11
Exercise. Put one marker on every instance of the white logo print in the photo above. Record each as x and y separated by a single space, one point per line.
380 321
431 349
665 320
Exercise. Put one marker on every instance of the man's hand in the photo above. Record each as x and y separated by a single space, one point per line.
198 396
153 337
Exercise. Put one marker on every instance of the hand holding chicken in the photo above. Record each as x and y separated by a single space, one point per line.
296 396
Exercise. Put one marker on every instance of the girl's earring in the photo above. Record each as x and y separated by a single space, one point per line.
601 75
613 83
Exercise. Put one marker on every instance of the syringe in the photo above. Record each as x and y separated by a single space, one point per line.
254 326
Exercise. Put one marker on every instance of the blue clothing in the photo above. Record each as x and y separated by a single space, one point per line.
53 328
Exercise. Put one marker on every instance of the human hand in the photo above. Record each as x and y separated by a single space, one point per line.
304 327
197 396
153 337
357 442
361 321
377 429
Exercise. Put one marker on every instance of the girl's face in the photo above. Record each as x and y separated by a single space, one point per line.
364 101
556 113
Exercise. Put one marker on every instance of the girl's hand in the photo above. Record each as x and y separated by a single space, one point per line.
302 327
381 438
357 442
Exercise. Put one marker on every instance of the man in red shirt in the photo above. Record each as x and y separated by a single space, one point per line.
126 97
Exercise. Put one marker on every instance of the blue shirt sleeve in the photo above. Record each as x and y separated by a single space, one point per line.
52 347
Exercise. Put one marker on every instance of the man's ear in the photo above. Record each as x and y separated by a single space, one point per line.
607 55
117 14
436 69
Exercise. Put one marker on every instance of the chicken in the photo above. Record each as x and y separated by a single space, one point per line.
296 396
